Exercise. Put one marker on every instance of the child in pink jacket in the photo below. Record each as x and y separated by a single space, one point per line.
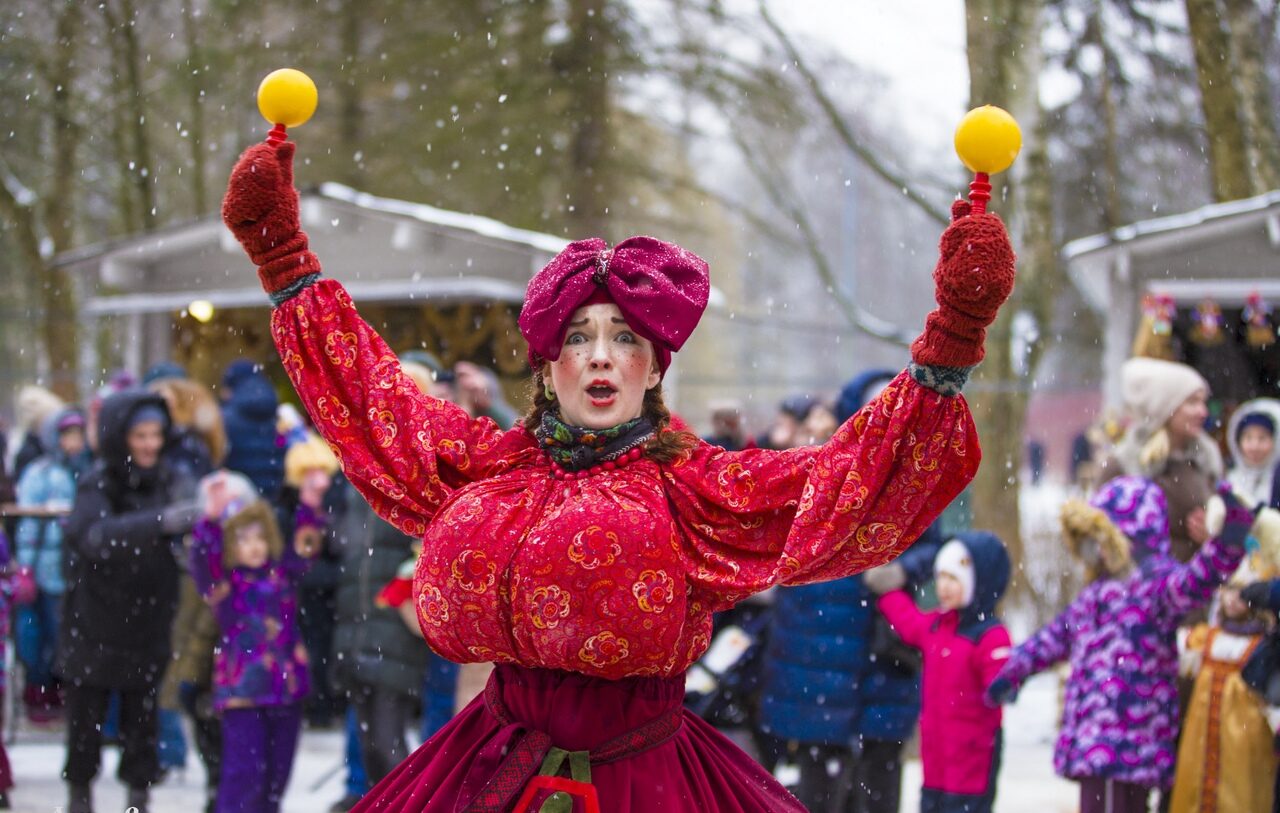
964 645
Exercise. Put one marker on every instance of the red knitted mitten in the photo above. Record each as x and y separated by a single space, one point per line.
973 278
261 209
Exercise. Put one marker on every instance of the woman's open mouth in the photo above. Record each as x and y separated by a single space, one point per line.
601 393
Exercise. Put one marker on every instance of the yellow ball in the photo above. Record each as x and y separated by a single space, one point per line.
287 97
988 139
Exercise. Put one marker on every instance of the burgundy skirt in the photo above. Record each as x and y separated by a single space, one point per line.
674 761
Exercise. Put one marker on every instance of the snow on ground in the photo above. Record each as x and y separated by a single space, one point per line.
1026 778
1027 782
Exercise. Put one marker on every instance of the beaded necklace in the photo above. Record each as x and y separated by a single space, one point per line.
576 452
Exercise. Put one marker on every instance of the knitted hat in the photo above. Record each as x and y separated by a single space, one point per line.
1259 419
237 371
1154 389
147 413
162 370
1137 508
69 419
660 288
312 453
798 406
955 561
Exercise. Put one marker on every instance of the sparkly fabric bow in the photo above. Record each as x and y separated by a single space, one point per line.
660 288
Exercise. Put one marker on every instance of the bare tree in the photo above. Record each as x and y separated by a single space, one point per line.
1245 22
1003 52
1228 147
43 222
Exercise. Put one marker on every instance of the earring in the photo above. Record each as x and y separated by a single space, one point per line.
547 391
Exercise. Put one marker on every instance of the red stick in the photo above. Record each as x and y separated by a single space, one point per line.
980 192
278 136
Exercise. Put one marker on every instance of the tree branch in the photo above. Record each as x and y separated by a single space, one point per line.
869 158
858 318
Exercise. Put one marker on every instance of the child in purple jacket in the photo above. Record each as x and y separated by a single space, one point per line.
1120 719
249 576
964 645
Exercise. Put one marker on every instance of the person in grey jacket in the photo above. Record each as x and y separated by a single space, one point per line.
380 663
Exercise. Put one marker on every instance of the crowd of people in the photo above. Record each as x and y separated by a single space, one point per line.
180 553
1173 685
261 590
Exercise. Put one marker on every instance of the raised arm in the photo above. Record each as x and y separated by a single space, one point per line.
205 556
757 518
900 610
1191 585
403 450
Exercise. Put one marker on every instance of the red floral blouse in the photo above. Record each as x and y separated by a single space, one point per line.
618 573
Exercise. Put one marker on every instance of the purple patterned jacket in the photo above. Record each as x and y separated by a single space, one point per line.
260 659
1120 720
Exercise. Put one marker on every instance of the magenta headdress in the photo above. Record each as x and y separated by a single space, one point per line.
660 288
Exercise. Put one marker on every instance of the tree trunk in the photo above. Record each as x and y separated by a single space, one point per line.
1002 47
1111 205
140 141
585 69
1228 150
195 82
1256 111
350 115
56 291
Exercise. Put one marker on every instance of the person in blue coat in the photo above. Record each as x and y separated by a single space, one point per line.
839 687
255 448
49 483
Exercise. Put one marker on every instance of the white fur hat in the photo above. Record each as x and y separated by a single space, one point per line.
1154 389
954 560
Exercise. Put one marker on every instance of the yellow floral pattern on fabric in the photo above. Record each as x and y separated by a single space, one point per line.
618 573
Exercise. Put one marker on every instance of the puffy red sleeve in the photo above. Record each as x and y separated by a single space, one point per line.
756 518
403 450
900 610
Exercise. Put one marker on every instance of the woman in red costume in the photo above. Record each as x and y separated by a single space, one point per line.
584 551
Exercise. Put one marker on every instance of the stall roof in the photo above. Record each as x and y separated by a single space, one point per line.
382 249
1224 250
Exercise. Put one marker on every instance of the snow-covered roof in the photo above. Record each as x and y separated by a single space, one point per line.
485 226
1161 225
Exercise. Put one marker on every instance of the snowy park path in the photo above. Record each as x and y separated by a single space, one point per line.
1027 782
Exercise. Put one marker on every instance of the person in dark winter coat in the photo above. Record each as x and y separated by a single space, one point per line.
381 663
255 448
838 685
122 590
964 646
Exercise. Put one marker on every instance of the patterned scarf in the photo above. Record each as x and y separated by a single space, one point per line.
574 448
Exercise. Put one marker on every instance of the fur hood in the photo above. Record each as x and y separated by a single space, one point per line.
1095 541
1123 525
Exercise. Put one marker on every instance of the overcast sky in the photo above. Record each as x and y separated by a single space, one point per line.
917 44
